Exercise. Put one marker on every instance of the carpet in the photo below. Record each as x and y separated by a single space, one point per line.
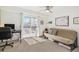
34 40
30 41
46 46
39 39
32 45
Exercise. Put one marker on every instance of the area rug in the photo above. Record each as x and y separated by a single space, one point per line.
31 41
39 39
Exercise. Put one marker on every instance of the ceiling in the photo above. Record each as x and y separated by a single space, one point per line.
39 9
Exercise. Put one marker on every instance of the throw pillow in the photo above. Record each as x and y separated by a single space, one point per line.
52 31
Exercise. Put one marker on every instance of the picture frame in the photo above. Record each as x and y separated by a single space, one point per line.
50 22
62 21
42 22
76 20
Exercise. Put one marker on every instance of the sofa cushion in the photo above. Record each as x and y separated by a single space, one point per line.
60 39
63 40
69 34
52 31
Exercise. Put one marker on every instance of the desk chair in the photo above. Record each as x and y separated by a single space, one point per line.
5 34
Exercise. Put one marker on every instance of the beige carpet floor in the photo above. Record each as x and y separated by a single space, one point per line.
45 46
30 41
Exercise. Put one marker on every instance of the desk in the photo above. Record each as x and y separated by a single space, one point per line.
17 31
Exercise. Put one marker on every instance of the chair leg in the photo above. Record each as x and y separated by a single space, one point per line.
4 46
10 44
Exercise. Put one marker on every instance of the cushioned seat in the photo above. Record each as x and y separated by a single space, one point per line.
65 36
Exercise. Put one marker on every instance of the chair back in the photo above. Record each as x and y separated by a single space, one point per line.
5 33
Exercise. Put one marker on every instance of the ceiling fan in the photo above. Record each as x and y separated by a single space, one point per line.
48 9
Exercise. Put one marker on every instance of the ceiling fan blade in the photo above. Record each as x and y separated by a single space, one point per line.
48 8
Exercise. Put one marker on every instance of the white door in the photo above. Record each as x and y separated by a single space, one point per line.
29 27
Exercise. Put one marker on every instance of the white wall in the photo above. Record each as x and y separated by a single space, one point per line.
70 11
10 18
14 14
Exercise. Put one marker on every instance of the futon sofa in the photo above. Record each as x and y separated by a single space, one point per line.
64 36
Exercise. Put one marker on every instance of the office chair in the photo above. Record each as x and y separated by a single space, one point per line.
5 34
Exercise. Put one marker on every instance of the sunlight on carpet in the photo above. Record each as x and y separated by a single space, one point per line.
30 41
39 39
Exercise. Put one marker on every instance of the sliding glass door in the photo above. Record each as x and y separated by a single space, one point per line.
29 27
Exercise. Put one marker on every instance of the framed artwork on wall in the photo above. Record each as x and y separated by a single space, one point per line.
50 22
62 21
42 22
76 20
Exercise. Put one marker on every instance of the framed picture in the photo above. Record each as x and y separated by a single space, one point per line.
62 21
76 20
50 22
42 22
